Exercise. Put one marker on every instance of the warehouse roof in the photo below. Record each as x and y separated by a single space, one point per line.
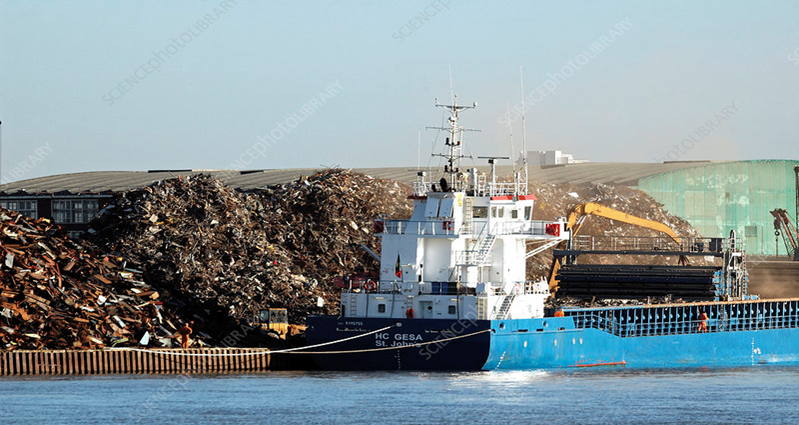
116 181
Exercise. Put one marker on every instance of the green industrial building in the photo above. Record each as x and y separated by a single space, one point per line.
739 195
714 196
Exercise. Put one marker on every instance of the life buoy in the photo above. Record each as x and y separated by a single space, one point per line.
409 313
370 285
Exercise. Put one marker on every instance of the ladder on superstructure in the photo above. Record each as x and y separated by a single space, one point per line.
480 186
744 284
353 305
468 226
482 303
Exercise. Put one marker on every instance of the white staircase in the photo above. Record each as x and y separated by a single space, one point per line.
484 247
481 254
543 248
504 309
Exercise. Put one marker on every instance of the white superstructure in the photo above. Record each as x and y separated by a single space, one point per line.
462 253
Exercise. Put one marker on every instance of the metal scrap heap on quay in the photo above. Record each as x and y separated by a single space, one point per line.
59 293
230 254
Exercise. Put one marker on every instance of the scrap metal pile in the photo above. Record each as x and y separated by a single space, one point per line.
58 293
227 254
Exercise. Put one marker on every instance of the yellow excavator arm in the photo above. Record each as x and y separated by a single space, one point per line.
578 215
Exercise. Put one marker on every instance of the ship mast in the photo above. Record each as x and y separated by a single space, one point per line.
453 142
526 177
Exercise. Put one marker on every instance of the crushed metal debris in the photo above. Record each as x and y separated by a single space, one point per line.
229 254
59 293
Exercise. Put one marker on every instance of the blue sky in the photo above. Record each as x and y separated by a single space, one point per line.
352 83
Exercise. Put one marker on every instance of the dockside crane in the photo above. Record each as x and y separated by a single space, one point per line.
785 228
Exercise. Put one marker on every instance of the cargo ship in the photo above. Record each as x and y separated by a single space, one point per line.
452 292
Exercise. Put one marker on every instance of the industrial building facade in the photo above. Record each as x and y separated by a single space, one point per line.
715 197
72 211
737 195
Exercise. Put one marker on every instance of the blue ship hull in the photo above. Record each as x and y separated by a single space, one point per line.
570 347
742 334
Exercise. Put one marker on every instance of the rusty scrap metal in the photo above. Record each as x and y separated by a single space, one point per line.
59 293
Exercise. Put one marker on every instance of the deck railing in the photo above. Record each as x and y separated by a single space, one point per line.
659 243
450 228
677 320
481 188
525 287
426 228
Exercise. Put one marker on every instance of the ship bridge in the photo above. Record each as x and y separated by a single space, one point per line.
462 252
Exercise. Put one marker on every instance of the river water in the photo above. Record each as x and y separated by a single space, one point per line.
748 395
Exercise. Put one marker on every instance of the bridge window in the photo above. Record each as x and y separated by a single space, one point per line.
528 213
497 212
439 207
431 209
447 204
480 212
514 213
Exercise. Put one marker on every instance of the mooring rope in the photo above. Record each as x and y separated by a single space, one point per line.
396 347
291 350
257 351
260 351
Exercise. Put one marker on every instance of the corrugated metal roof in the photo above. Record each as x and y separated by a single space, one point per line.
615 173
116 181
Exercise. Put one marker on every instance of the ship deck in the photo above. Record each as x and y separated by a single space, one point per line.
685 318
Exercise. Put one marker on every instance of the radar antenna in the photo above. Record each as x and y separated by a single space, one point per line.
454 141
